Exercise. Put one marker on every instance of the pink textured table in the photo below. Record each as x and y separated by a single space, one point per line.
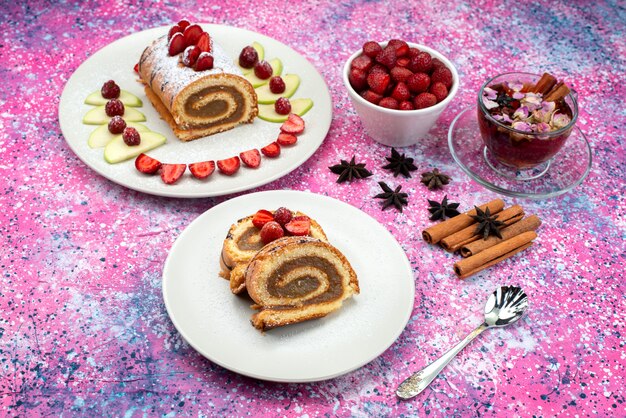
83 327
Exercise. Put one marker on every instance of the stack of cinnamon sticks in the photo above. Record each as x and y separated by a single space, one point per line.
461 234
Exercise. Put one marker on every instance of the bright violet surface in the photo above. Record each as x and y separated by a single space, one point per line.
83 327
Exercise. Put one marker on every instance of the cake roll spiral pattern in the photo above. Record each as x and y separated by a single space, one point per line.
294 279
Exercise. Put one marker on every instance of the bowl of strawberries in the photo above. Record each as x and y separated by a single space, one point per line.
399 89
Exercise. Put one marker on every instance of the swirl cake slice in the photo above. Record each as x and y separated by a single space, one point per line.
242 243
294 279
196 103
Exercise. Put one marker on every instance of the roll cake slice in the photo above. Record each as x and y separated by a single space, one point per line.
242 243
295 279
196 103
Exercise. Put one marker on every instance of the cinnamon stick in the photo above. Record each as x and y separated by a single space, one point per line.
436 233
559 91
455 241
494 255
531 223
545 84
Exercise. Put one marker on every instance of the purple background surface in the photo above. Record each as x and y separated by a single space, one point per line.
83 327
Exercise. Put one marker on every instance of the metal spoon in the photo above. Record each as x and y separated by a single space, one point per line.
505 305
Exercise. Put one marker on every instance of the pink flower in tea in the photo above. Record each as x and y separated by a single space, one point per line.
559 120
522 126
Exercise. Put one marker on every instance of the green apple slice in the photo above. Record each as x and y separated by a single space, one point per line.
101 136
97 116
265 96
117 151
127 98
298 106
261 53
277 69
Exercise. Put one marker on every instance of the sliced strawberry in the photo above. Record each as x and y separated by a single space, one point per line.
229 166
251 158
192 34
293 125
204 42
147 165
286 139
202 169
173 30
170 173
190 56
177 44
272 150
136 68
261 217
183 23
204 62
299 225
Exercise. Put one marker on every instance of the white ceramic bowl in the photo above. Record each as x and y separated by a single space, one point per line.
399 128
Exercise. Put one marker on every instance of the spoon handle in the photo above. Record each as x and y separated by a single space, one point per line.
420 380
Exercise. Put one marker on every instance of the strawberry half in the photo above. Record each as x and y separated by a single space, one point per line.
272 150
204 62
229 166
293 125
183 23
147 165
192 34
136 68
177 44
170 173
299 225
174 30
202 170
204 42
251 158
261 217
286 139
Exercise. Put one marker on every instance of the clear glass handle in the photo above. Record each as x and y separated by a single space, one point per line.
420 380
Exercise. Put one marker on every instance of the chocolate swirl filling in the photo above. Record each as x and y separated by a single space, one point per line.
309 280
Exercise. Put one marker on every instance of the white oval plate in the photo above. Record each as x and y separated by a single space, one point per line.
217 323
116 61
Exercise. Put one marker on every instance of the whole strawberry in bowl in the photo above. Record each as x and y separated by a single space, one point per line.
399 89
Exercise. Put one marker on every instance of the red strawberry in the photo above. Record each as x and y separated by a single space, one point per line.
437 63
379 68
204 62
282 106
357 79
263 70
402 48
293 125
371 97
388 102
413 52
371 49
229 166
147 165
170 173
401 92
443 75
183 23
177 44
136 68
362 62
283 215
439 90
299 225
271 231
406 105
387 57
173 30
190 55
251 158
424 100
203 169
378 82
400 74
403 62
421 63
261 217
272 150
286 139
192 34
418 83
204 42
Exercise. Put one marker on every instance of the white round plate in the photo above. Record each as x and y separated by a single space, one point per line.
217 323
116 62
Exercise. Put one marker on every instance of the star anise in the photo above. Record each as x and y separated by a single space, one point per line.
435 179
392 197
443 209
400 164
350 170
487 224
